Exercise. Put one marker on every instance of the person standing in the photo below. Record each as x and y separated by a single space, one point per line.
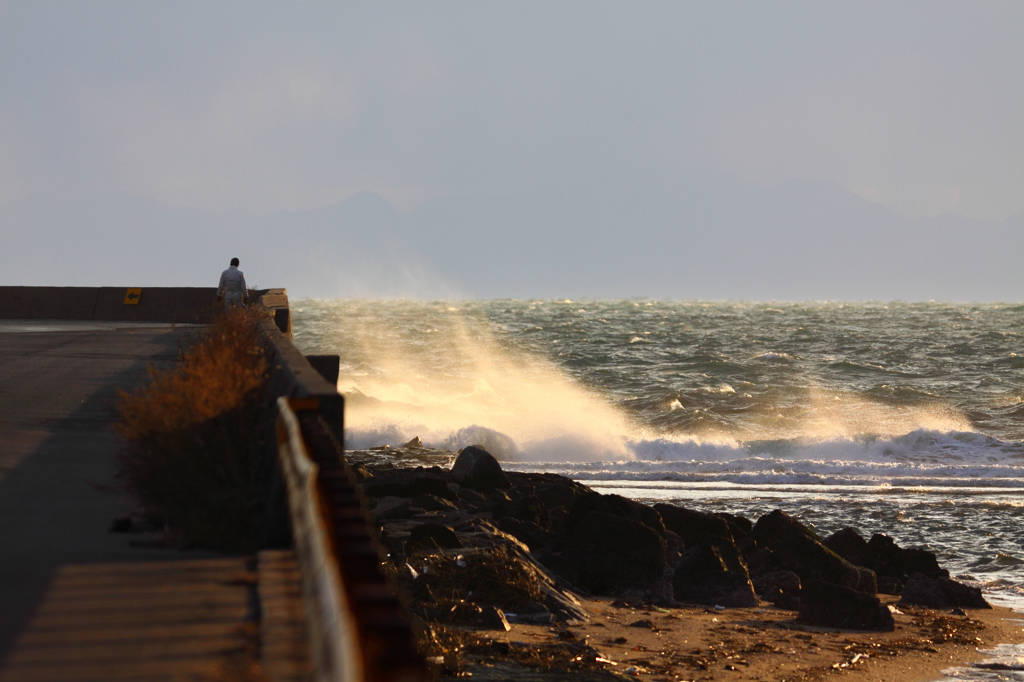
232 289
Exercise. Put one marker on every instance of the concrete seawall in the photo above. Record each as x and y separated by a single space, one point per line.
179 305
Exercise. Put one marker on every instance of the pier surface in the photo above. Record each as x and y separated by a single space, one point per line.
62 573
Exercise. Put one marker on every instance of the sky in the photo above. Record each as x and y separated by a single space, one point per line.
600 118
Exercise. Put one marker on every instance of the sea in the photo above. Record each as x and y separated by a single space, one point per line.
898 418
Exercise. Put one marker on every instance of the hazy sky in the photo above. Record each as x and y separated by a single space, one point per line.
255 106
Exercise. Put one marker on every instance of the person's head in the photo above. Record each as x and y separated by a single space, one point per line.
234 261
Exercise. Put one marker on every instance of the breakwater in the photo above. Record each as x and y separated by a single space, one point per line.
303 387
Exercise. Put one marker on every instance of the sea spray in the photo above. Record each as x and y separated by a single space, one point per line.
451 382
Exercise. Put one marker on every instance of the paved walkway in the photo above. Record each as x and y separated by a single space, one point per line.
57 491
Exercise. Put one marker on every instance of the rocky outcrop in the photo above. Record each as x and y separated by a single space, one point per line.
611 545
477 469
693 527
704 577
829 605
609 554
941 593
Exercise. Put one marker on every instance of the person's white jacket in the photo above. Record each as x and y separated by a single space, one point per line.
232 287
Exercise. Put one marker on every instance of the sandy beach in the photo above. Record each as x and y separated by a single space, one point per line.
763 643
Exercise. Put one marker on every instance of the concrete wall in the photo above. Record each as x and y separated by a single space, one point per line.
181 305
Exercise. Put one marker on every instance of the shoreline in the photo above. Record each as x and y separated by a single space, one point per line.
694 643
636 633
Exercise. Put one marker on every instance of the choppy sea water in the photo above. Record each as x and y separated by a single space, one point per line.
902 418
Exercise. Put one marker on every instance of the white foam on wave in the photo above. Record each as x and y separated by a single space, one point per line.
464 388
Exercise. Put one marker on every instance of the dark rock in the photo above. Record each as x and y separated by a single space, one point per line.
530 534
889 585
432 503
785 600
723 588
868 581
811 560
920 590
848 544
731 556
471 496
499 498
556 495
646 624
835 606
674 548
885 557
761 560
784 581
701 559
388 508
359 470
614 505
922 561
693 527
431 537
963 595
778 526
478 469
781 588
747 546
406 483
609 554
530 508
740 526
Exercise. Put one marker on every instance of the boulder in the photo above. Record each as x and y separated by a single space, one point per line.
430 502
778 526
868 581
610 554
615 505
835 606
700 559
704 577
533 536
740 526
388 508
811 560
477 469
470 496
889 585
761 560
530 508
922 561
885 557
941 593
429 538
557 495
723 588
694 527
781 588
783 581
406 483
848 544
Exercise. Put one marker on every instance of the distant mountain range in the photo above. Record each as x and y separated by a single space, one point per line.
683 238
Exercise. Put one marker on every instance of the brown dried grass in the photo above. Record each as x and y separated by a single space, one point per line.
194 453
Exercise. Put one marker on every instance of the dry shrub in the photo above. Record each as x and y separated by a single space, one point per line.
492 577
194 452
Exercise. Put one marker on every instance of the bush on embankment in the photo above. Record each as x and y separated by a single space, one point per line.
194 438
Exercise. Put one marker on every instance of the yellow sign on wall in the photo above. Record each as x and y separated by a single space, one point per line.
132 296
